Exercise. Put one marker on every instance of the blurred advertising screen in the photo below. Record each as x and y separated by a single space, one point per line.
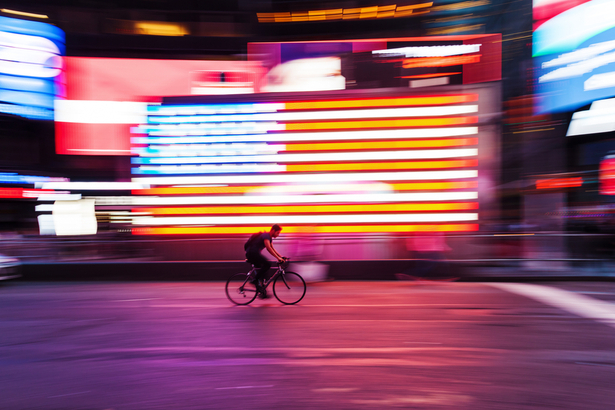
386 62
574 53
371 161
31 68
106 96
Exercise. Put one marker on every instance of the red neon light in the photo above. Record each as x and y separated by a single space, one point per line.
559 183
440 61
18 193
430 75
607 176
371 124
372 145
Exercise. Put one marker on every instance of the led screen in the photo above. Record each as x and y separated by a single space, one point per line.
365 163
105 96
574 51
482 66
31 68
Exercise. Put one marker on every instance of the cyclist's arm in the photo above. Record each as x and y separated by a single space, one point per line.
272 251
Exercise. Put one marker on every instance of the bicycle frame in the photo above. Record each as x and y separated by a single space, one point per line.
278 272
290 290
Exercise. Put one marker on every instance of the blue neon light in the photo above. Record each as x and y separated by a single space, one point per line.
244 108
31 54
13 178
34 28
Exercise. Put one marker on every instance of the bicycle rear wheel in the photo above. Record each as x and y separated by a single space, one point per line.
239 290
289 288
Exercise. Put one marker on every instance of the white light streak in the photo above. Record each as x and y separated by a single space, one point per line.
186 138
188 150
210 109
92 186
28 56
430 51
44 208
56 197
212 168
310 178
100 112
289 199
220 128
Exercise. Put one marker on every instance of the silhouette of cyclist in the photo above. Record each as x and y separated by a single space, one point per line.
256 258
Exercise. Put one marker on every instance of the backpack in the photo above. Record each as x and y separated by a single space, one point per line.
251 240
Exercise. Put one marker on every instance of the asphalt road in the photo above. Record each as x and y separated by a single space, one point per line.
347 345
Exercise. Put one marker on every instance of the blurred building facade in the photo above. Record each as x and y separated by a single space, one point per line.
540 180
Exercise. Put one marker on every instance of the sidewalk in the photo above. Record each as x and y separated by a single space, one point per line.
335 270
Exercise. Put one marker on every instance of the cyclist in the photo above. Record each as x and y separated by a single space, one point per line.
256 258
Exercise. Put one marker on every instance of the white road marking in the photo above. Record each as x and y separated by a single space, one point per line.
135 300
69 394
596 364
574 303
245 387
335 390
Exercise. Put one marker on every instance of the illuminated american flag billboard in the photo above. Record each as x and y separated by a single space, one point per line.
360 163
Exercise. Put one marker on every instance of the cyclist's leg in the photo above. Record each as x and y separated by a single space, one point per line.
266 265
260 262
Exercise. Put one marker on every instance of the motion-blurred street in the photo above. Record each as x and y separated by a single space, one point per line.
347 345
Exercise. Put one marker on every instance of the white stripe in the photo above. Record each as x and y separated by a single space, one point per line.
320 115
309 178
320 157
99 150
214 168
430 51
212 128
306 219
100 112
287 199
183 137
92 186
210 109
190 150
55 197
579 305
44 208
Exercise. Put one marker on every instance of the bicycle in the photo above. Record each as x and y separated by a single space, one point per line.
288 287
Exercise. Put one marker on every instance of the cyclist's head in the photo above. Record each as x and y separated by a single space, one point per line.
275 230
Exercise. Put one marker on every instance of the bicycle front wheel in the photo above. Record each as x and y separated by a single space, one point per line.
239 290
289 288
